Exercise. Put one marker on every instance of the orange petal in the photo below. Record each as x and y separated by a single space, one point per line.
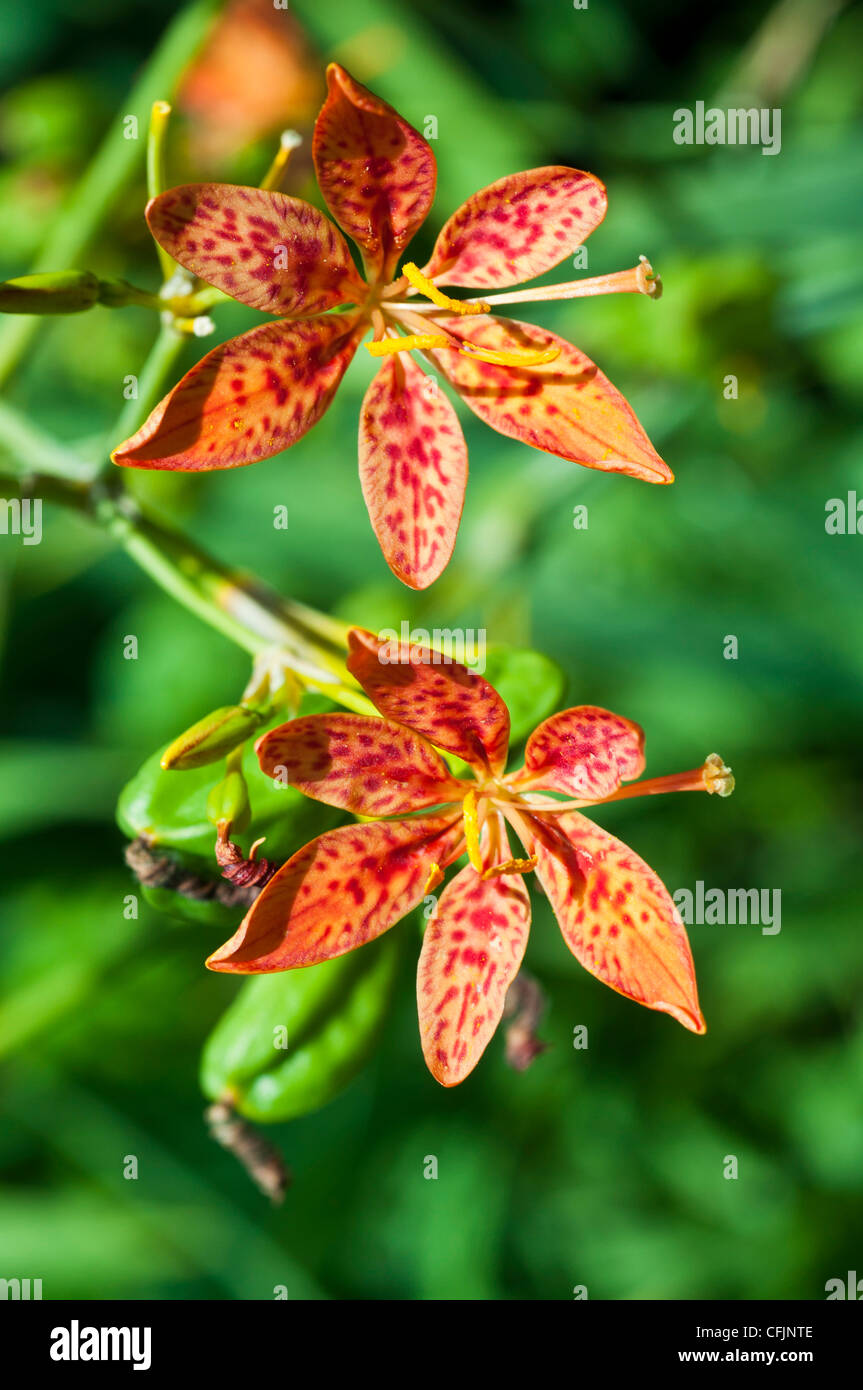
448 704
518 227
566 408
272 252
413 470
369 766
338 892
249 398
377 173
616 916
471 953
586 752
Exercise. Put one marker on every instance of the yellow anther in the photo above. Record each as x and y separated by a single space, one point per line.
511 357
434 878
423 342
385 346
512 866
470 816
430 290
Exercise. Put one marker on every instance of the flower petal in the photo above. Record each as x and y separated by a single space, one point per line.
585 752
472 949
249 398
275 253
566 407
339 891
518 227
369 766
616 916
413 470
375 171
454 708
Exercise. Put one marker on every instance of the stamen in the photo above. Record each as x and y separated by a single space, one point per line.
290 140
512 866
434 878
430 290
470 815
423 342
407 343
510 357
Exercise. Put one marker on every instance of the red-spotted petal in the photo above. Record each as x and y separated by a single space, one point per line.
472 950
518 227
565 407
586 752
249 398
454 708
272 252
413 470
338 892
616 916
369 766
375 171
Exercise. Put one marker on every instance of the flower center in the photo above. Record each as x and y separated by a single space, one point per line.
388 319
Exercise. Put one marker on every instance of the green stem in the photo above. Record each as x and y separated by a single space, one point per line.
239 606
112 167
160 362
242 607
36 452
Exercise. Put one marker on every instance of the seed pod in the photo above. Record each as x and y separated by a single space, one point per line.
212 738
61 292
291 1042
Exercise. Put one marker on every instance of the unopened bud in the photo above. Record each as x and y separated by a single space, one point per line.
61 292
228 803
212 738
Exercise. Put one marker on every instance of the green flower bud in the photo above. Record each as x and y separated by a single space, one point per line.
61 292
212 738
229 800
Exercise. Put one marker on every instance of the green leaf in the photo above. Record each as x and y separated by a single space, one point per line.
530 684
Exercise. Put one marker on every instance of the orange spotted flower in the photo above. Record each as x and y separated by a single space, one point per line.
351 884
259 393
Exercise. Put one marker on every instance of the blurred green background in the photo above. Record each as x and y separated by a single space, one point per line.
601 1167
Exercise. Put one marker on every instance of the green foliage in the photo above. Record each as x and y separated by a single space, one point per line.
601 1166
530 684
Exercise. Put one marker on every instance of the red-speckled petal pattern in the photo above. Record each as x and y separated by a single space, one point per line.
471 953
369 766
375 171
454 708
517 228
616 916
585 752
338 892
249 398
566 407
413 470
272 252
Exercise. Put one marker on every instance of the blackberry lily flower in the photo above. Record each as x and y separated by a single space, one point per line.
351 884
259 393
